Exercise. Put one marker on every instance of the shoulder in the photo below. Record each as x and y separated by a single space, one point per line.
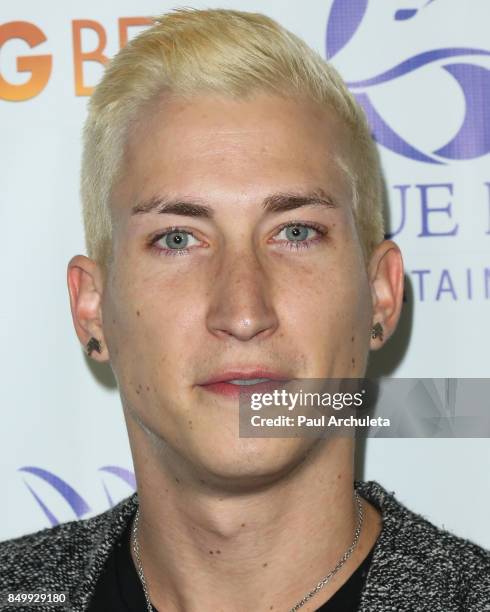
414 557
60 557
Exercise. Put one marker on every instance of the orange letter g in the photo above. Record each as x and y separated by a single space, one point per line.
38 65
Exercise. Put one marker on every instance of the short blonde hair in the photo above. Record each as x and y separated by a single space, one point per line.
229 52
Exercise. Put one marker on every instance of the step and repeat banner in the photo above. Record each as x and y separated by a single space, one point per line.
420 69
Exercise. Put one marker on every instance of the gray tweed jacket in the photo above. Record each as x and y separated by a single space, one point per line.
416 567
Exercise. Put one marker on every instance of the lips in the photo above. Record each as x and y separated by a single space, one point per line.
233 383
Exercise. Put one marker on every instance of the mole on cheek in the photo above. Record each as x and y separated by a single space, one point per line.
137 313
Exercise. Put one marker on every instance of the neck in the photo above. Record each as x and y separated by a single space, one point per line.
205 547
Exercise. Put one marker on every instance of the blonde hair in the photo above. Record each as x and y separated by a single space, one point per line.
228 52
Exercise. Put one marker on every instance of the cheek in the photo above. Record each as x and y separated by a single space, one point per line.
335 290
150 314
323 308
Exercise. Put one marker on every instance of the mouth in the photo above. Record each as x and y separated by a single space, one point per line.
232 384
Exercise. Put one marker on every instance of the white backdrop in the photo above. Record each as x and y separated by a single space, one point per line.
64 452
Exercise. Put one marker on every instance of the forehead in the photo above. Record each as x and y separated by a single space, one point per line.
234 148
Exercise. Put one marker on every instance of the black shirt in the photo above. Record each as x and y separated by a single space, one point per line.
119 588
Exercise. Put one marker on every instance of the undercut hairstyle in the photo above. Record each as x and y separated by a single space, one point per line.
226 52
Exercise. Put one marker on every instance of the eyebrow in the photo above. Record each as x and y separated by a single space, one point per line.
275 203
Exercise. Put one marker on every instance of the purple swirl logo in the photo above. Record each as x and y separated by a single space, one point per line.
472 139
75 501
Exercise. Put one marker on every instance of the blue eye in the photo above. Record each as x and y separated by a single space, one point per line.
174 241
297 233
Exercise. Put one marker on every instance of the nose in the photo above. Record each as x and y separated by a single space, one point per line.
241 304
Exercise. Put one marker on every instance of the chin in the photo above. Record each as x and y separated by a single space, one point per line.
250 463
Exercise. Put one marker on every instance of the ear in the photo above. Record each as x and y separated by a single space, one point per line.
386 276
85 286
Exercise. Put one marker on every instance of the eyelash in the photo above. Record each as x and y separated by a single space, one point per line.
169 252
294 245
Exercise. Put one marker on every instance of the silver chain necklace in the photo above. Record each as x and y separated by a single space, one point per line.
347 554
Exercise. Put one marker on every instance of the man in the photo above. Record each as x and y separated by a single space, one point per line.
232 199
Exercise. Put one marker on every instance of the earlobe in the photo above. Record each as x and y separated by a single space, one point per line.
85 287
93 345
377 331
386 276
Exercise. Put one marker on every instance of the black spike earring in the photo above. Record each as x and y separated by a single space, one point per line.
93 345
377 331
